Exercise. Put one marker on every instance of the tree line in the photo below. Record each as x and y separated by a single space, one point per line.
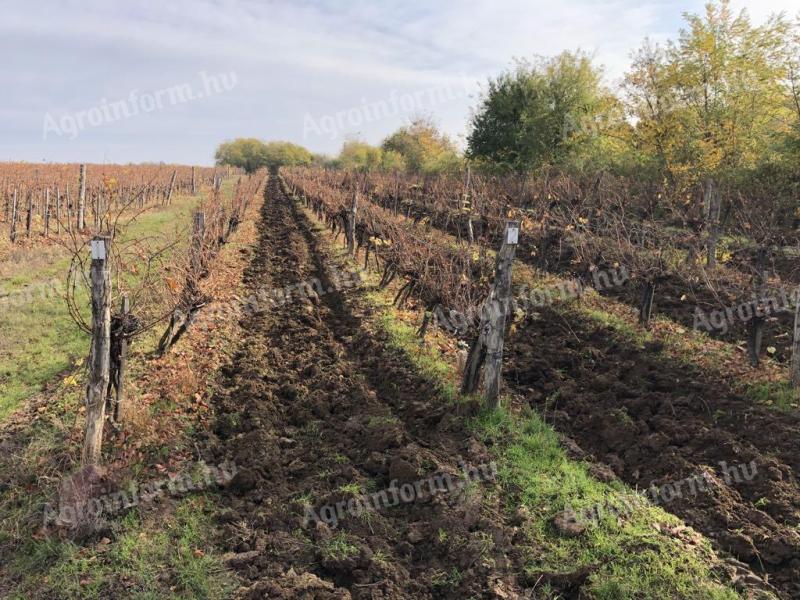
720 101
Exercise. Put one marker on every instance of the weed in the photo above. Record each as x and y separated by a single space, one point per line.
338 547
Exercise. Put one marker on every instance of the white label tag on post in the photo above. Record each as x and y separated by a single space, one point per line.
98 250
513 235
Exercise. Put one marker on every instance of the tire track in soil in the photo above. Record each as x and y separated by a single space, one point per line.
652 420
312 402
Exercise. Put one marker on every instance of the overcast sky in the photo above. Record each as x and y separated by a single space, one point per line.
120 81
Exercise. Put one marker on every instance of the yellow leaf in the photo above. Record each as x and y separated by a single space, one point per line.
172 284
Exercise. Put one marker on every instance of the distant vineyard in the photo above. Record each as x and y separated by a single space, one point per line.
57 199
714 250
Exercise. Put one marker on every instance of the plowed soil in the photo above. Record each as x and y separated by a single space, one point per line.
653 421
313 404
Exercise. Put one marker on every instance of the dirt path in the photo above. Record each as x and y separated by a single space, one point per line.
315 410
654 421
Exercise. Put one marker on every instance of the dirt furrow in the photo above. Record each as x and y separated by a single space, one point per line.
656 422
315 411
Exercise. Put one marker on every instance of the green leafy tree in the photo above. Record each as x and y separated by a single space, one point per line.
359 156
540 113
252 154
392 161
277 154
246 153
714 102
423 148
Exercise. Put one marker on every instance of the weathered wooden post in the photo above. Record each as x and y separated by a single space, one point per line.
58 211
351 224
468 203
47 213
82 199
487 350
795 375
68 200
194 183
171 186
13 232
123 360
646 302
198 235
29 218
100 353
97 204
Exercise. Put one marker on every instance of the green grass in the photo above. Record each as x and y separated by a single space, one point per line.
39 339
338 547
354 489
780 395
144 563
630 331
404 337
633 559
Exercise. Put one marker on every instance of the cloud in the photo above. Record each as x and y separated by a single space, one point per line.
292 58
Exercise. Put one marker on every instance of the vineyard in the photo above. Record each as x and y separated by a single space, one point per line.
372 330
437 385
482 323
437 243
578 228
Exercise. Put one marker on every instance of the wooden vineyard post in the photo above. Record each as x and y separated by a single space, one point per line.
100 353
171 187
13 232
487 350
198 235
123 360
29 218
47 213
646 302
68 202
82 199
97 204
194 183
58 211
468 205
795 375
351 224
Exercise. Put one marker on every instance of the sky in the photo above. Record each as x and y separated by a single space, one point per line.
149 81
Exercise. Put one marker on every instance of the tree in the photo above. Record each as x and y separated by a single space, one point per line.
246 153
650 98
252 154
277 154
712 103
423 148
538 112
360 156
